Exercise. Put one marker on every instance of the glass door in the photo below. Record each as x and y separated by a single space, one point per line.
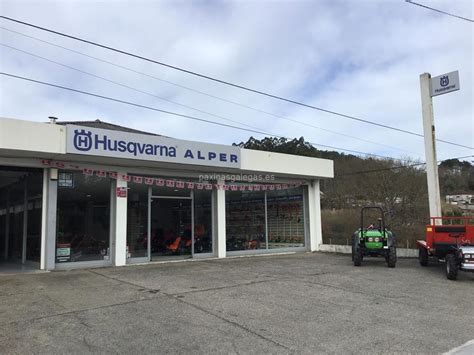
171 227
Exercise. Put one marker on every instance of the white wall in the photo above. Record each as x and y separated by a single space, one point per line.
32 136
286 164
36 137
347 249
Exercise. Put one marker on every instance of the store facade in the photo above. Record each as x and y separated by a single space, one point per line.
87 194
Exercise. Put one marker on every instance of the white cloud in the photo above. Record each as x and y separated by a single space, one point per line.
362 58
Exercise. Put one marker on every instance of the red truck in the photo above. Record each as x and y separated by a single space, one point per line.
450 239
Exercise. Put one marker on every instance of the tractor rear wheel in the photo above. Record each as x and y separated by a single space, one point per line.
423 256
353 247
392 256
451 267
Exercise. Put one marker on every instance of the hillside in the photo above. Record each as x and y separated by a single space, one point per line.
397 186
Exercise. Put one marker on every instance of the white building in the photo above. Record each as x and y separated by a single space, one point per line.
460 199
85 194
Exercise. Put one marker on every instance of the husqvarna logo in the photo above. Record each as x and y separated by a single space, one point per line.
82 140
101 142
444 80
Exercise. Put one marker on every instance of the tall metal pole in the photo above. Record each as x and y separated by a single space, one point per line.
430 147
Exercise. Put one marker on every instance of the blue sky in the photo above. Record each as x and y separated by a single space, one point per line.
361 58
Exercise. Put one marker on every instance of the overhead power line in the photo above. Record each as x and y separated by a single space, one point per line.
177 103
183 115
219 80
439 11
396 167
125 86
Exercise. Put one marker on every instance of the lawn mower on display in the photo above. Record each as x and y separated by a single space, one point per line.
373 240
450 239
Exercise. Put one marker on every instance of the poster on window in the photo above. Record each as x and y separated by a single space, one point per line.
63 253
66 180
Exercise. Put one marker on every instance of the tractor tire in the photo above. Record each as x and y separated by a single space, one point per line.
392 257
423 256
352 248
358 257
356 252
451 267
353 244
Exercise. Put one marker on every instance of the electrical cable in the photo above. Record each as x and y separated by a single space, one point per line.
396 167
127 86
167 100
182 115
440 11
218 80
206 94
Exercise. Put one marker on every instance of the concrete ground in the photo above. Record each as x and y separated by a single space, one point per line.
300 303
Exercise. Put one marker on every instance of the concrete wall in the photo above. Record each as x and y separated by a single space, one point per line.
32 136
18 136
347 249
286 164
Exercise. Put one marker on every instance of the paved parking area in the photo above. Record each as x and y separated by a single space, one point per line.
299 303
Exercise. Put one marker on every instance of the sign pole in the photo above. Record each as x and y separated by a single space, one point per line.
430 147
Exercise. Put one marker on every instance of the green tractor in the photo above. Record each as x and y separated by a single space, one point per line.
373 240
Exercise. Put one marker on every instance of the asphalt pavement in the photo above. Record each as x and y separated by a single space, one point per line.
298 303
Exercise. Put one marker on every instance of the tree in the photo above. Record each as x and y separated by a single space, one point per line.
397 186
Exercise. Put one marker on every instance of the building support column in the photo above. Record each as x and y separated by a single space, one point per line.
314 213
48 220
119 243
219 225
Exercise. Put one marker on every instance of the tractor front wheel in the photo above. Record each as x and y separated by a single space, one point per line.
451 267
423 256
356 252
358 257
392 256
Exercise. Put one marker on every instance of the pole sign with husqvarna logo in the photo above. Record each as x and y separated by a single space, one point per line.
445 83
119 144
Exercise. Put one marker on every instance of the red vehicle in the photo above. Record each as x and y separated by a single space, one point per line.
451 240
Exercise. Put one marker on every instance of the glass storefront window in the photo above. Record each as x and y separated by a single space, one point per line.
3 220
171 227
285 216
15 245
137 221
20 213
170 220
83 218
202 221
245 220
35 201
170 191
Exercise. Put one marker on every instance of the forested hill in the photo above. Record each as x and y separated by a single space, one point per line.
294 146
457 177
398 186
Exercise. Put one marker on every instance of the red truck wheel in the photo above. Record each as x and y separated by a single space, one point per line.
451 267
423 256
